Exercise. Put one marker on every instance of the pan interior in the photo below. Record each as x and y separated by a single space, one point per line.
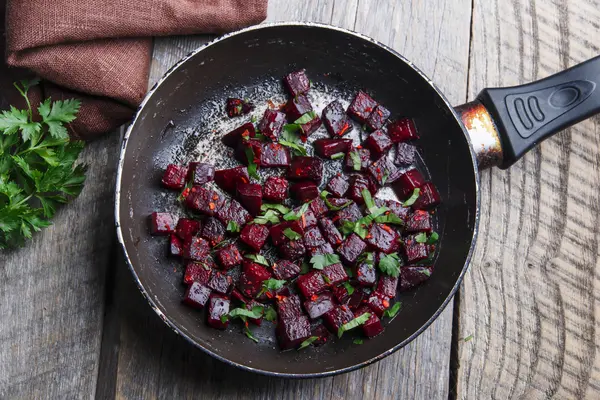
183 120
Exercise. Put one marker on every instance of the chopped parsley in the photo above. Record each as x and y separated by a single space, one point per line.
411 200
421 237
291 234
257 258
270 216
356 322
277 207
390 264
308 342
392 311
252 166
433 238
357 341
233 227
349 288
321 261
337 156
356 161
270 314
296 215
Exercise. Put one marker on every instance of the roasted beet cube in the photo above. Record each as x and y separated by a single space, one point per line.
296 107
365 274
277 235
187 228
328 147
337 317
372 327
205 201
405 154
292 250
338 185
334 274
251 304
382 238
198 272
275 189
361 107
200 173
229 256
358 183
288 307
336 121
318 305
271 123
415 251
237 107
218 305
402 130
162 224
378 303
350 213
418 221
307 219
405 185
351 163
227 179
234 137
176 245
285 269
297 83
292 332
357 298
274 155
351 249
318 207
252 278
220 282
213 231
321 249
174 177
238 297
196 249
387 285
378 143
331 233
196 295
413 276
254 235
383 171
378 117
234 212
311 126
321 333
304 191
395 207
428 197
311 283
306 168
313 237
250 195
250 147
341 294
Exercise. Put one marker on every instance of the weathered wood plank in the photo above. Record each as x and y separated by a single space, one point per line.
530 299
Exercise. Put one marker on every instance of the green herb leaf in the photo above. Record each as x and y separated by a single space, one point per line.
253 119
233 227
277 207
468 338
291 139
390 265
389 218
58 113
367 258
392 311
252 166
356 322
357 341
249 333
257 258
255 313
306 118
411 200
337 156
294 216
433 238
356 161
321 261
270 314
308 342
331 207
290 234
369 203
304 268
384 178
270 216
349 288
421 237
273 284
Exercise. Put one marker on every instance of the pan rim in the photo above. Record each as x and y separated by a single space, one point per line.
154 305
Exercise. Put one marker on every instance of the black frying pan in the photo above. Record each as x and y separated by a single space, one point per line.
179 120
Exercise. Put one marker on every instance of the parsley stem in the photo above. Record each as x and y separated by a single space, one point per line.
24 200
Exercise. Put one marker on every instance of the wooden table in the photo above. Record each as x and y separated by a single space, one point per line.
524 324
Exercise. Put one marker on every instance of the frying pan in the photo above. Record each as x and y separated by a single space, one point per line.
179 120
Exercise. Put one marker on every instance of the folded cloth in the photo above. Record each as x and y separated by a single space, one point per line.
99 50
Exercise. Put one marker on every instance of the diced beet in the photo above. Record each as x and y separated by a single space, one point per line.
297 83
384 171
229 256
311 126
378 303
196 249
311 283
237 107
372 327
304 191
365 160
321 333
382 238
318 305
276 232
274 155
378 143
296 107
213 231
378 117
334 274
307 219
405 154
242 151
341 294
415 251
196 295
227 179
365 274
387 285
187 228
285 269
292 332
275 189
321 249
218 305
271 123
200 173
174 177
402 130
428 197
337 317
198 272
292 250
313 237
318 207
358 183
238 297
350 213
252 278
361 107
418 221
336 121
205 201
357 298
176 245
234 137
338 185
288 307
234 212
254 235
250 195
328 147
413 276
303 168
395 207
405 185
162 224
351 249
331 233
220 282
251 304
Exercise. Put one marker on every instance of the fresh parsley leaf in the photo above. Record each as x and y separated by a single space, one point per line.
291 139
255 313
385 178
411 200
321 261
268 217
392 311
249 333
306 118
290 234
252 166
356 322
357 341
337 156
56 114
361 226
304 268
233 227
390 264
433 238
356 161
349 288
389 218
270 314
257 258
277 207
308 342
273 284
297 148
369 203
367 258
421 237
295 216
14 120
330 206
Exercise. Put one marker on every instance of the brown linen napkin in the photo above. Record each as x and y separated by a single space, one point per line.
100 50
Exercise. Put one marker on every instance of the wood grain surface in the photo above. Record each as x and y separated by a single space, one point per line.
530 300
